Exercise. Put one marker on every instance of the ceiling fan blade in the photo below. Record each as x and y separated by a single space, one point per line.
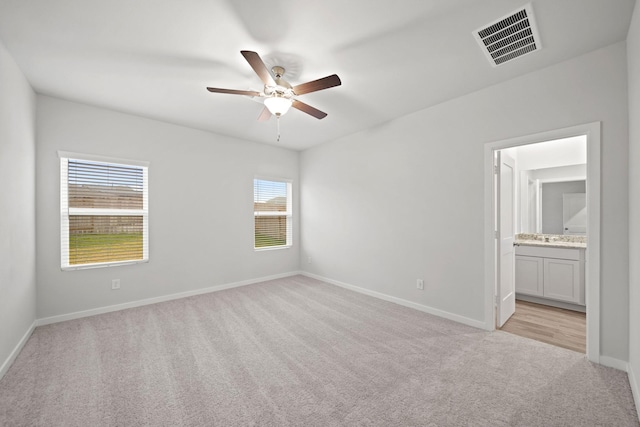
234 92
316 85
306 108
258 66
264 115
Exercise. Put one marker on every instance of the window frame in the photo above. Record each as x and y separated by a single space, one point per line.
288 214
66 211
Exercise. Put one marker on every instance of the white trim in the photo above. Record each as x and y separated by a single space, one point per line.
272 248
273 178
101 159
103 264
400 301
635 389
614 363
17 349
155 300
551 302
64 212
563 179
592 260
145 216
592 276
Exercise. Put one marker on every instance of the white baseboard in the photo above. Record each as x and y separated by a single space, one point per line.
614 363
18 348
635 389
552 303
436 312
155 300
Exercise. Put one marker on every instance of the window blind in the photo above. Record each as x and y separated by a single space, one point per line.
104 213
272 213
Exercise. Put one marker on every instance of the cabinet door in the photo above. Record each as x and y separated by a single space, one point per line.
529 277
562 280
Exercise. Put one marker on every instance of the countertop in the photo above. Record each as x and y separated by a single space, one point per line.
551 241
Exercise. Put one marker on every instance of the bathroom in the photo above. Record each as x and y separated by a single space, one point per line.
550 241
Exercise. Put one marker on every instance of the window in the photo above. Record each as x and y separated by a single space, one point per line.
103 211
272 213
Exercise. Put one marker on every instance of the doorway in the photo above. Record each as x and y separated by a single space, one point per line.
494 311
556 326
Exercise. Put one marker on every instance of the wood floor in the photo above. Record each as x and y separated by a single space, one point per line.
557 326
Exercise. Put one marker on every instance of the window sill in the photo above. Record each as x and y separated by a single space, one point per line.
102 265
272 248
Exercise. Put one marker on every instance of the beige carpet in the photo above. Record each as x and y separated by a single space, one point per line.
300 352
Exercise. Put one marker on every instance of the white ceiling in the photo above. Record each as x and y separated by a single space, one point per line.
154 58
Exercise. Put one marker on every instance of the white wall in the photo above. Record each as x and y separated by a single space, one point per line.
200 200
561 173
633 58
17 207
562 152
405 200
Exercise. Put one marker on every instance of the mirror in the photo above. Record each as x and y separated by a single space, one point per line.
553 200
563 207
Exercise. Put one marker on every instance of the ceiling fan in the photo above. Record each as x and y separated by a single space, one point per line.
278 94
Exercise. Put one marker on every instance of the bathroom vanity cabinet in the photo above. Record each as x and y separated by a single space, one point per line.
551 273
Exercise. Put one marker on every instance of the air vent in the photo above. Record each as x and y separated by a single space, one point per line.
509 37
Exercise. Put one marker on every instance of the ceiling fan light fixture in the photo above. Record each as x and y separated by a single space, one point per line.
277 105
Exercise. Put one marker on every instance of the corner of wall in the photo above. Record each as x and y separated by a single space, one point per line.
17 216
16 350
635 389
633 67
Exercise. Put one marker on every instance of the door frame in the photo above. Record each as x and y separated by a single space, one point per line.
592 266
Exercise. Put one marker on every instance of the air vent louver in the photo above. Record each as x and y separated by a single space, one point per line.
510 37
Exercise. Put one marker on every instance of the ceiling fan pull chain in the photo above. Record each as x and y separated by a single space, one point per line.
278 123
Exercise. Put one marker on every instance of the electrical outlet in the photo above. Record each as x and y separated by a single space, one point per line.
420 284
115 284
309 260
